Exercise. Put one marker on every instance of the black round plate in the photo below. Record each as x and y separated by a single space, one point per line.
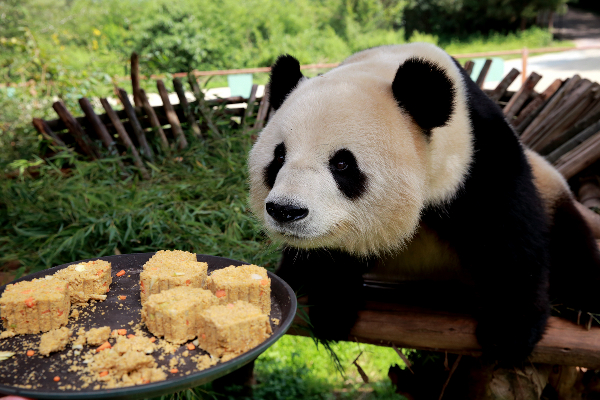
16 370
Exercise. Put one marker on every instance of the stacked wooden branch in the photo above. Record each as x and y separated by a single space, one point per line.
141 130
561 123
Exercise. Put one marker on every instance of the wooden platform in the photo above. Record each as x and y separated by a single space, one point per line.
564 343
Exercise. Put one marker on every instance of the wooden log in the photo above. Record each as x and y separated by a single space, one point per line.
579 158
83 140
529 133
578 128
100 129
202 107
573 143
567 111
516 102
249 107
263 109
137 160
535 106
187 111
43 129
589 191
156 125
564 342
138 131
135 79
171 115
469 67
483 74
500 90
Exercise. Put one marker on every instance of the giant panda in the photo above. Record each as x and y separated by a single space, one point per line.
397 163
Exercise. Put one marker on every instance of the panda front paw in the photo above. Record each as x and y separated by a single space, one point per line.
331 324
508 341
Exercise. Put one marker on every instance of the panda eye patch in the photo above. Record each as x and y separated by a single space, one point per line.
350 180
271 171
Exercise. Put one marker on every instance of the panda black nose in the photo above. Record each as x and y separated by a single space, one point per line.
286 213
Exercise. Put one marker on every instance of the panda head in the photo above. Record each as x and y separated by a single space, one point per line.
350 158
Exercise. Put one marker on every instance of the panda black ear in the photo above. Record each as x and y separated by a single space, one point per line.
425 91
285 75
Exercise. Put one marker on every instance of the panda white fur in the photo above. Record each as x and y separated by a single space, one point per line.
396 165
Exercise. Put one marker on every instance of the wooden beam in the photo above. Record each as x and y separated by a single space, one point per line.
83 140
580 157
137 160
564 343
502 87
483 73
171 115
156 125
187 111
138 131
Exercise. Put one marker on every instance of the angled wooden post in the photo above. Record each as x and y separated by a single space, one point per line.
136 126
42 127
76 130
202 105
171 115
249 107
154 120
469 67
100 129
135 79
502 87
483 74
187 111
114 118
263 110
519 98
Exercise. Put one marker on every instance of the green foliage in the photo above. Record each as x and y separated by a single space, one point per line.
449 18
197 204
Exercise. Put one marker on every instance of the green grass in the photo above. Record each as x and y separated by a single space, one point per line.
294 368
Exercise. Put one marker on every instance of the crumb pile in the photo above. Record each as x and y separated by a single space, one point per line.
55 340
173 313
35 306
169 269
249 283
129 362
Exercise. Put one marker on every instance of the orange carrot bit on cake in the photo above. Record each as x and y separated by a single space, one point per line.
103 346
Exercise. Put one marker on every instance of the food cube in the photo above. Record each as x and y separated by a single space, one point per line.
247 282
35 306
88 280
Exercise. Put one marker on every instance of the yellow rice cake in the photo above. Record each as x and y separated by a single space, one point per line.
89 280
35 306
173 313
54 340
232 329
97 336
170 269
247 282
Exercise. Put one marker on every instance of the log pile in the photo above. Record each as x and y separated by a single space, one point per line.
142 130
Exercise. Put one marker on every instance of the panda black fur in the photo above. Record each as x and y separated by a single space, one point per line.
397 158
